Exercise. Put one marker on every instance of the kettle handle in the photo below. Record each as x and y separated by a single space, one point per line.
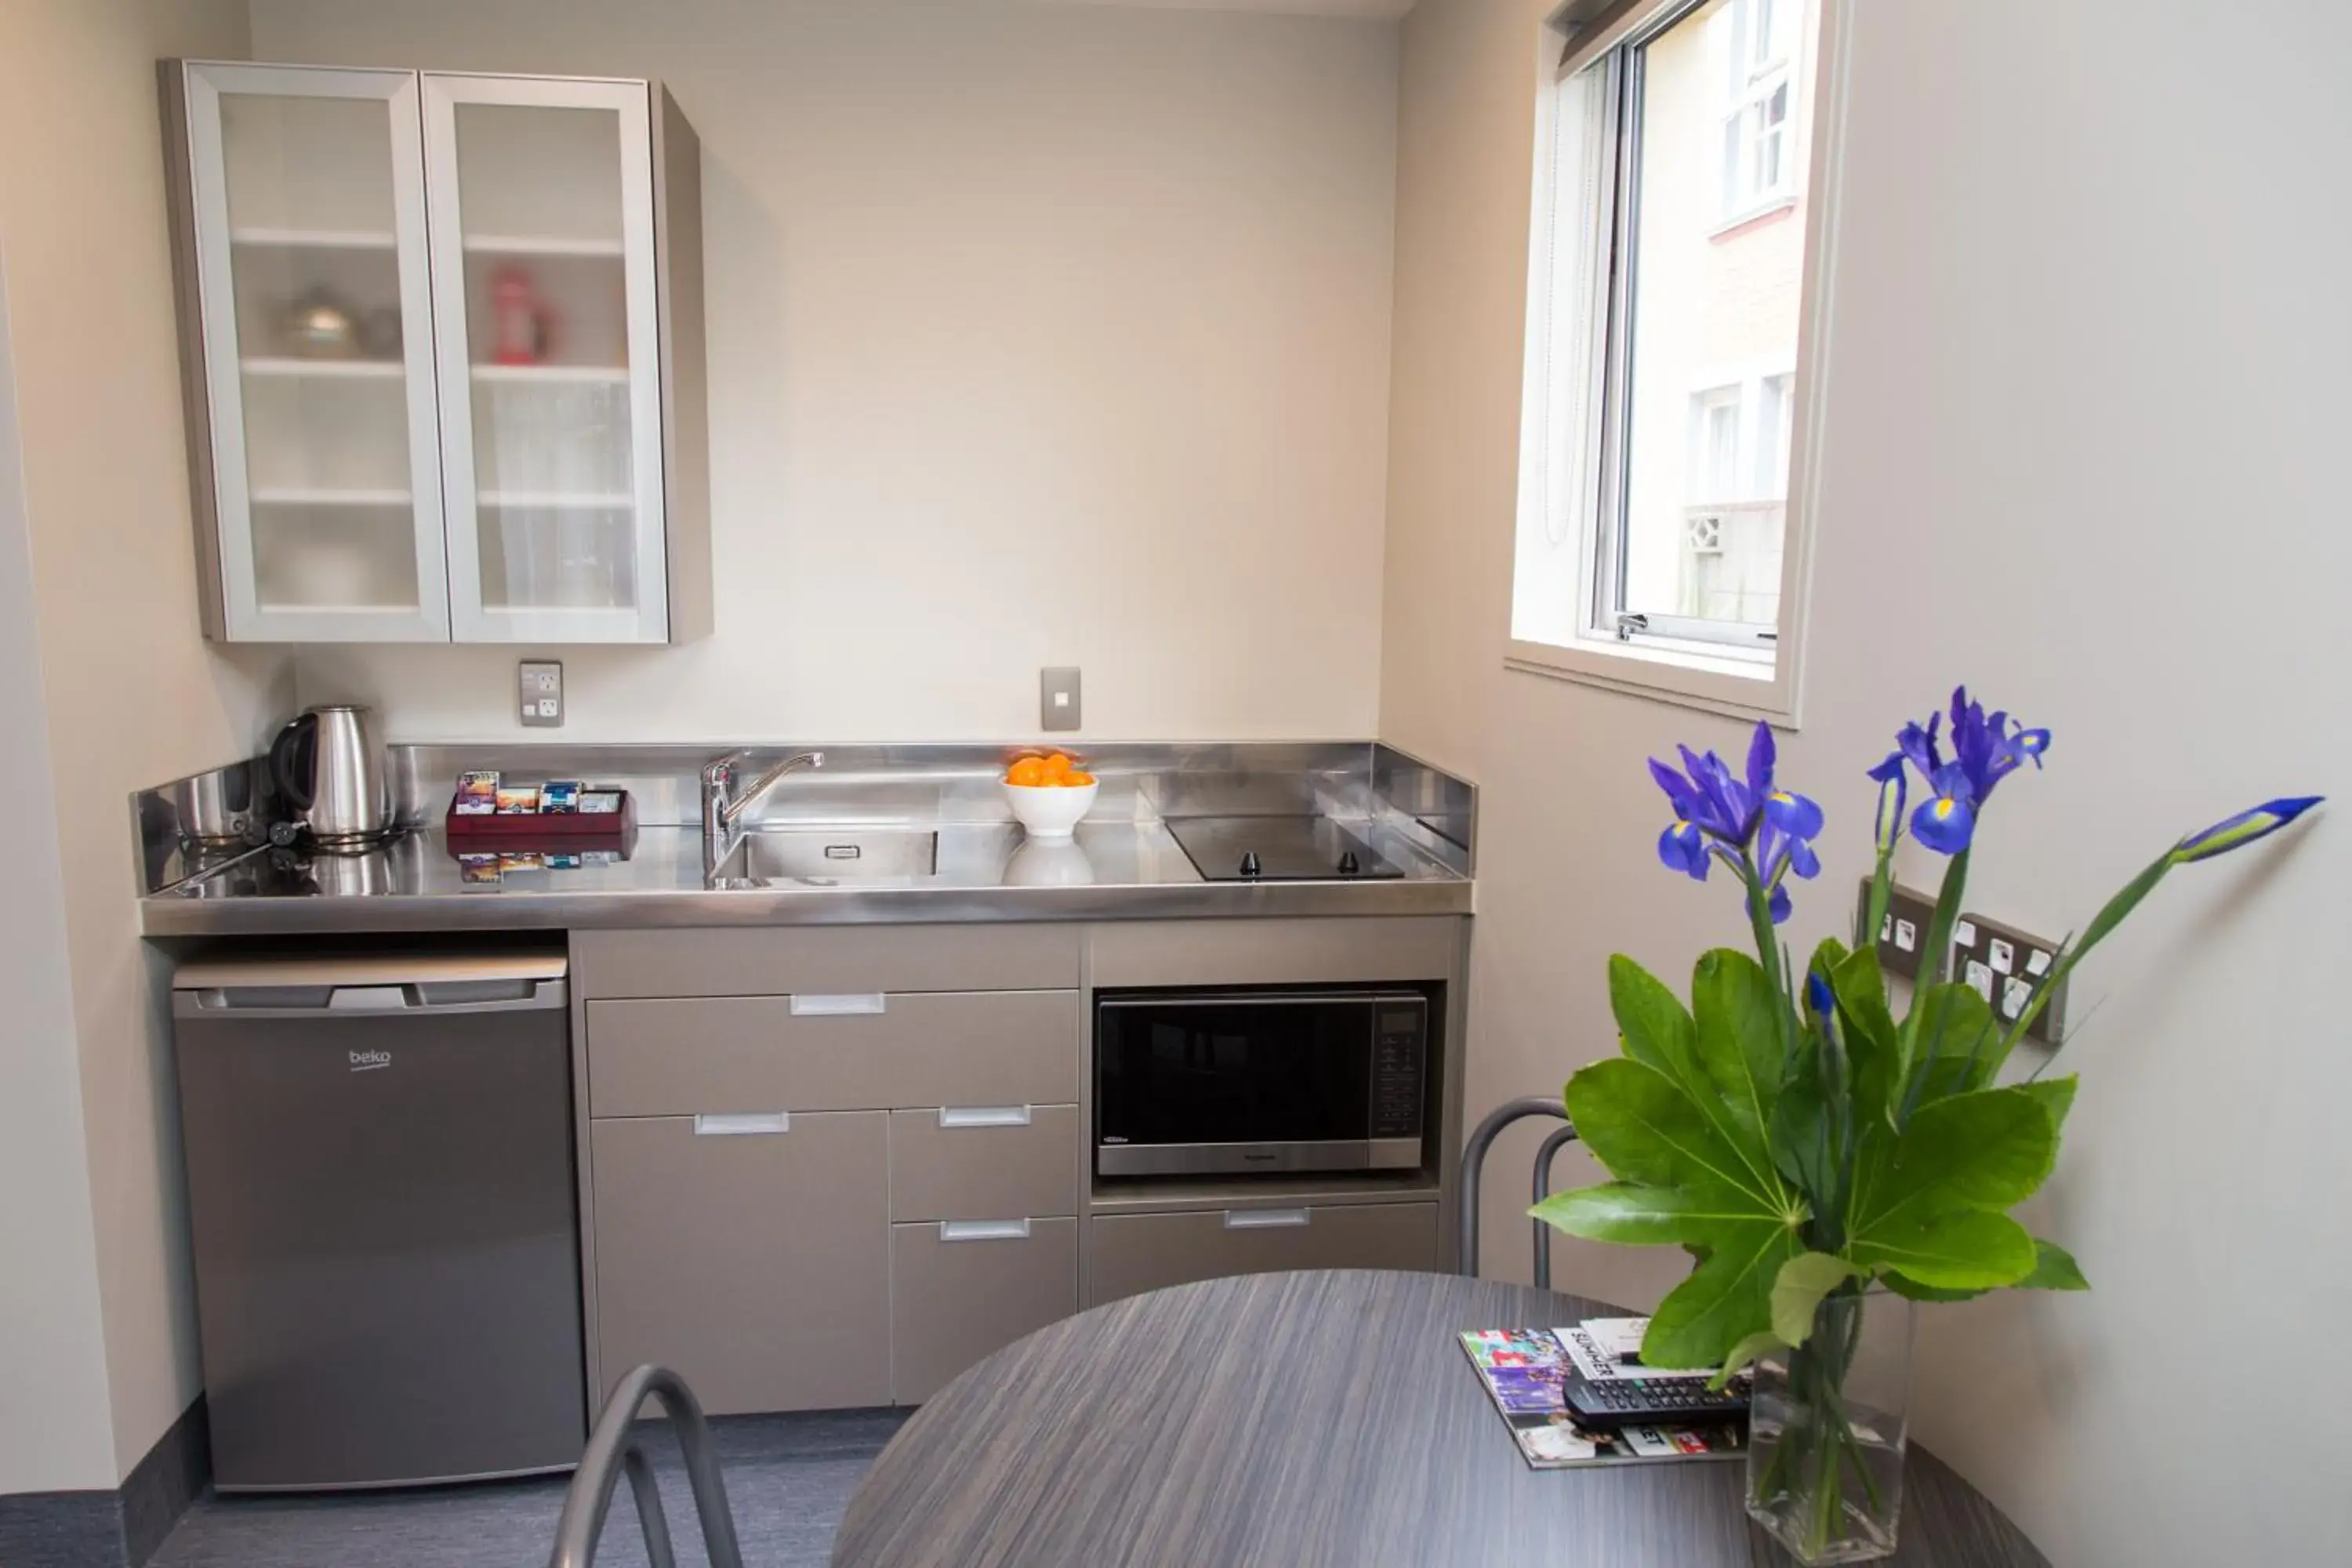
294 759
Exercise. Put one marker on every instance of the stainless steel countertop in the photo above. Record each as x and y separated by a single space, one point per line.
1123 864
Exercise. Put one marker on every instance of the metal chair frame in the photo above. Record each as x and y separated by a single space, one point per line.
1474 1160
615 1446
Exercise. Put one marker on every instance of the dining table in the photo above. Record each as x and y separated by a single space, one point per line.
1316 1419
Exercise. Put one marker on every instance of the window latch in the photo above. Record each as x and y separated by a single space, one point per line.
1629 623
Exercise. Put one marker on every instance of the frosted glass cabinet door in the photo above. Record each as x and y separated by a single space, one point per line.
544 314
305 217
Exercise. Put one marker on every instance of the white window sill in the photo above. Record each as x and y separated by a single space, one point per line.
1766 208
1685 674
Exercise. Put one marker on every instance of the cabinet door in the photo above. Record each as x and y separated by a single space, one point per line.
304 214
544 318
748 1254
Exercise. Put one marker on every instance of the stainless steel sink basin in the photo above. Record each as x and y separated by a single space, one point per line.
846 852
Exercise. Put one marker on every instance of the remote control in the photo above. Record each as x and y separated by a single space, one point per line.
1649 1401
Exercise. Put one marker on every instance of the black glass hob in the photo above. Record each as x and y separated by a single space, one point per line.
1276 849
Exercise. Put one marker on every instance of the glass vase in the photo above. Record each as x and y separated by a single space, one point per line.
1826 1431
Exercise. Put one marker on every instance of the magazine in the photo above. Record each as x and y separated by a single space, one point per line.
1523 1370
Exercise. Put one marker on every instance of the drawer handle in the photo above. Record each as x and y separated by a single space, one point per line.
848 1005
1264 1219
984 1230
743 1123
984 1116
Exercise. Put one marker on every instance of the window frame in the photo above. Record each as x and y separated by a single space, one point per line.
1679 659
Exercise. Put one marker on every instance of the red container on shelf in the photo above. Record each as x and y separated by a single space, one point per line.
562 832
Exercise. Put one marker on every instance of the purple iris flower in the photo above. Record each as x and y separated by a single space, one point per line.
1893 787
1684 848
1718 812
1819 997
1986 748
1948 821
2235 832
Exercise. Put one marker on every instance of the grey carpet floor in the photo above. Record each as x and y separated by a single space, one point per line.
788 1479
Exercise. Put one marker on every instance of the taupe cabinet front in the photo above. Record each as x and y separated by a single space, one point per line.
814 1199
835 1166
752 1257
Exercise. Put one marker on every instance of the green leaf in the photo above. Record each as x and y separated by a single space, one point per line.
2056 1095
1797 1291
1726 1299
1736 1015
1957 1249
1958 1047
1873 1039
1800 1130
1918 1292
1988 1150
1657 1032
2053 1270
1743 1355
1637 1216
1640 1124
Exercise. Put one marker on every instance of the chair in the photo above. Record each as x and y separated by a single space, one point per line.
1474 1160
613 1447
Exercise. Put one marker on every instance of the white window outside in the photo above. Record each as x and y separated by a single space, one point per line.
1660 545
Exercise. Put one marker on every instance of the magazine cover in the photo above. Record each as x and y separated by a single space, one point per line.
1523 1370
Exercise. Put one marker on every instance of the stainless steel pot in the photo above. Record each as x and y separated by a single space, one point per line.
330 767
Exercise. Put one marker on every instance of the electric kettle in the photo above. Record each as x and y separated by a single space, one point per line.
330 769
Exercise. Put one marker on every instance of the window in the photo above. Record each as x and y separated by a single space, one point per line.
1665 367
1758 47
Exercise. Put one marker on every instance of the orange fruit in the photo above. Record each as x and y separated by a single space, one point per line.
1057 765
1028 773
1078 780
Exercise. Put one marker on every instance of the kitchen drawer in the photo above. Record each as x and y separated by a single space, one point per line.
762 962
1134 1253
756 1264
976 1162
953 1302
683 1057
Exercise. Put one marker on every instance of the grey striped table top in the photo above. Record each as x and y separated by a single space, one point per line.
1304 1420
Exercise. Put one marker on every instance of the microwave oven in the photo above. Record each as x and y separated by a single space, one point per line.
1219 1082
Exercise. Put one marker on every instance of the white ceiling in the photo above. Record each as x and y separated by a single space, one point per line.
1361 9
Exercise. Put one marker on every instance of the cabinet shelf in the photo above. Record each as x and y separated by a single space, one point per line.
557 500
297 496
316 238
539 245
333 369
615 373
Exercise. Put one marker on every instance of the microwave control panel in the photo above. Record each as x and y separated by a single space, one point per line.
1399 1047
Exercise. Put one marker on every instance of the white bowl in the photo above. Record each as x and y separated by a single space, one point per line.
1050 811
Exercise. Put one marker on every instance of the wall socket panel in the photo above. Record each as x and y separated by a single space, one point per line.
539 686
1903 935
1058 697
2007 966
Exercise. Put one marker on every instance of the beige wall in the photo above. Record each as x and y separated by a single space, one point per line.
52 1351
1038 335
132 695
2084 455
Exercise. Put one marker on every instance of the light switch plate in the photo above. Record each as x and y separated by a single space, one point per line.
540 689
1058 697
1910 913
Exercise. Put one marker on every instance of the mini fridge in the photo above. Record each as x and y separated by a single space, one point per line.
381 1195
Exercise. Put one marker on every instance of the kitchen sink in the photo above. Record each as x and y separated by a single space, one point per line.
815 852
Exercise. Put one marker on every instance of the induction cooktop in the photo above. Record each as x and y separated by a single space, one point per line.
1277 849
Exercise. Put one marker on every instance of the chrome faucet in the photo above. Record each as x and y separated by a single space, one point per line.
722 807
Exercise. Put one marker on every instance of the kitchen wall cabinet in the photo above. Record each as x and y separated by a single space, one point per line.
443 337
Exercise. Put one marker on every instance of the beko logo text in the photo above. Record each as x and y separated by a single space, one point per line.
368 1061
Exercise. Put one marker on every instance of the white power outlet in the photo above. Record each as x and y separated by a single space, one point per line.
539 686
